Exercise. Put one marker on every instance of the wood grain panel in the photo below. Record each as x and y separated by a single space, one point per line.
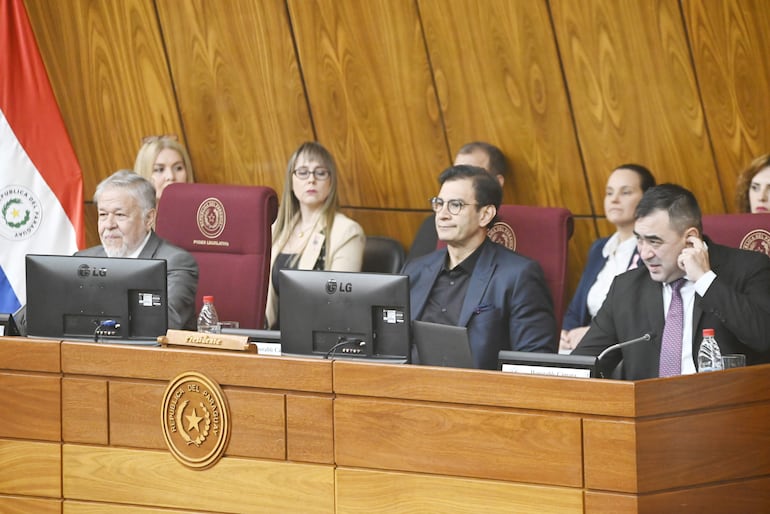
457 441
479 387
84 411
609 503
384 492
749 496
671 451
309 429
142 477
258 426
610 455
239 88
16 505
76 507
702 391
634 93
24 354
400 225
107 68
374 105
226 368
498 79
35 402
729 42
135 413
30 468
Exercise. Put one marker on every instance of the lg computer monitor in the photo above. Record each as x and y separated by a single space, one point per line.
366 314
104 298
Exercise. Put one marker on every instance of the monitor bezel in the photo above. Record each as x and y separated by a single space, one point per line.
59 294
305 293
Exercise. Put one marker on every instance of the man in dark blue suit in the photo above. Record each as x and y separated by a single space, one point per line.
499 295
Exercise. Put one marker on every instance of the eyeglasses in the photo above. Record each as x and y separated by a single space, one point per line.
318 173
454 206
152 139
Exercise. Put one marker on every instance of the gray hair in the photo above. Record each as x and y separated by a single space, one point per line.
136 185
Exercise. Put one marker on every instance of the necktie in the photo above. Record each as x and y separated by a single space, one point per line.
671 345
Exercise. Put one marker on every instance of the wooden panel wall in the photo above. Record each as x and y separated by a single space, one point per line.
567 89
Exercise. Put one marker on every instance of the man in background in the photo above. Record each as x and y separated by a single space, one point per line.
501 297
688 283
478 153
126 205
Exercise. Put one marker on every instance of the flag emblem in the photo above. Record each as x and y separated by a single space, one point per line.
21 213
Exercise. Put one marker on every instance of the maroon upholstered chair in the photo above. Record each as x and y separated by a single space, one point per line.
747 231
542 234
227 230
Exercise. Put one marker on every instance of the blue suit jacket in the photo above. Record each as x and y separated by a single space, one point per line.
577 314
507 305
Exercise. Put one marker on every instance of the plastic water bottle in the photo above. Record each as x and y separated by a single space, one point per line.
709 355
208 320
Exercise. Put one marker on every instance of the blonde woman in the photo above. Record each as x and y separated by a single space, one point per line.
309 232
163 160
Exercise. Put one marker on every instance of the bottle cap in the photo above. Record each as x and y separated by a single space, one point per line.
708 332
209 299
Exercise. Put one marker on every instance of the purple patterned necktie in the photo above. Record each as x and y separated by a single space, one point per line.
671 345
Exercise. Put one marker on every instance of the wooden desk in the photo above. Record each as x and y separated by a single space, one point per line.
80 433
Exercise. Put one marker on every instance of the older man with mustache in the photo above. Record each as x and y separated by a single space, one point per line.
126 207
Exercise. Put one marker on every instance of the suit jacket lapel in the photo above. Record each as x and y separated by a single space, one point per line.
652 296
482 274
427 280
148 252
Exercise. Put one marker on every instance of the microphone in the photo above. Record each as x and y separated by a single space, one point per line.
619 346
344 341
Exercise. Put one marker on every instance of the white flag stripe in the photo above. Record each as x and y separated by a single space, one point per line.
54 233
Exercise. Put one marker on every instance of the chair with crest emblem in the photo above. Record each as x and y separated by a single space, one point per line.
542 234
747 231
227 229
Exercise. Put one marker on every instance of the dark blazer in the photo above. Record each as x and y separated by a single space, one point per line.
182 272
736 306
507 305
577 314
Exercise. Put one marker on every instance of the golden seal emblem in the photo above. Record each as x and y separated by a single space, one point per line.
757 240
196 420
211 217
502 233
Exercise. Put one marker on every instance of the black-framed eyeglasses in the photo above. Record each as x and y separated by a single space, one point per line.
454 206
319 173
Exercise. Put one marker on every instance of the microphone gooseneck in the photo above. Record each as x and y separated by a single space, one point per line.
620 346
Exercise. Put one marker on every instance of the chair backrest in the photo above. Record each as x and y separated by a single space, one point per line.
747 231
542 234
383 255
227 230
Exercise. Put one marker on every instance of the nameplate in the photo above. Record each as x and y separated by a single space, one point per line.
206 340
553 371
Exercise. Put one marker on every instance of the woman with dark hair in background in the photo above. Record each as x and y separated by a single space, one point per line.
608 256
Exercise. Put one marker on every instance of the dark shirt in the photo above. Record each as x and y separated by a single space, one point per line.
448 293
283 261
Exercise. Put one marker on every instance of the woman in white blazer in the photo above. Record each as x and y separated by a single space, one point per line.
309 232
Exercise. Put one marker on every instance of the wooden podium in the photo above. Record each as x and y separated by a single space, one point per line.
80 433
